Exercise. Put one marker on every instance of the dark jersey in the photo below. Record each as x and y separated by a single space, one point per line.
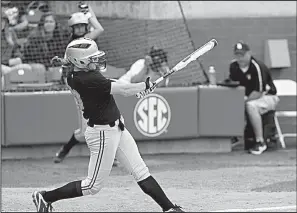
256 78
93 89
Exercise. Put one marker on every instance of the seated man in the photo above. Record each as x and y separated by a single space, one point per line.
155 64
260 92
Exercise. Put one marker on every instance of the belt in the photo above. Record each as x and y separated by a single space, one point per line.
111 124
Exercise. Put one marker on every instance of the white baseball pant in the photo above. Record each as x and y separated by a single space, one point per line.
106 143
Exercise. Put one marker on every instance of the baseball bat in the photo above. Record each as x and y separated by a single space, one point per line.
187 60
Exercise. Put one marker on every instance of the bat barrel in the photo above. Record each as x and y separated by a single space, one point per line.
214 41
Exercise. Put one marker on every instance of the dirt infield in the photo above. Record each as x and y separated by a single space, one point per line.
203 182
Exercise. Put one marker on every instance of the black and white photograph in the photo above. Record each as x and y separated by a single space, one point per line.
148 106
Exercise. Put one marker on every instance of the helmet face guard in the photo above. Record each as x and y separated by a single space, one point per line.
97 62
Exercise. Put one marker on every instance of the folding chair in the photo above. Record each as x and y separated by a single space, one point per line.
284 88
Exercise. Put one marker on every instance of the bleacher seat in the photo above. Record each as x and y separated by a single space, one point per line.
54 74
23 74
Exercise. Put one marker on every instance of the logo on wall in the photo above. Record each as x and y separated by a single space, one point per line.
152 115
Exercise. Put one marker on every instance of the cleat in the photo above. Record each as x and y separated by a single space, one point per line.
234 141
175 209
60 155
39 202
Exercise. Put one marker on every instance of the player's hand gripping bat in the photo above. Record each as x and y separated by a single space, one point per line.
183 63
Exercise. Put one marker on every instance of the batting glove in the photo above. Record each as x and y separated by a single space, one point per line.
56 61
150 87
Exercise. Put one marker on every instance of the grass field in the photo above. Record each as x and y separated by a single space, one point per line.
233 181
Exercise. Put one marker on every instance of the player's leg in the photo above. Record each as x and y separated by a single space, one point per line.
77 136
255 109
129 156
102 143
104 153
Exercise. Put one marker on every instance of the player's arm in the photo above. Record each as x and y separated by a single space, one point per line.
128 89
98 29
102 85
120 81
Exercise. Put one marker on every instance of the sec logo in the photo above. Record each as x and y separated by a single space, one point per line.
152 115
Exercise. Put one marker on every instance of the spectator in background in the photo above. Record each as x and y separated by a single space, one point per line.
155 64
84 24
260 92
11 57
17 17
46 41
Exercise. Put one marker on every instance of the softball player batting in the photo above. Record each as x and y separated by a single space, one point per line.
78 22
106 135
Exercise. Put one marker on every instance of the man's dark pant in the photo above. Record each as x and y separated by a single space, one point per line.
269 130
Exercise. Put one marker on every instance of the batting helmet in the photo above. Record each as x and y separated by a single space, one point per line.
84 53
78 18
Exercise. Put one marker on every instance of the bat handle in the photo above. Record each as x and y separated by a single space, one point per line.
156 82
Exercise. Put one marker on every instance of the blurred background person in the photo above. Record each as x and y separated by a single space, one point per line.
34 11
155 64
46 41
16 14
11 57
84 23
